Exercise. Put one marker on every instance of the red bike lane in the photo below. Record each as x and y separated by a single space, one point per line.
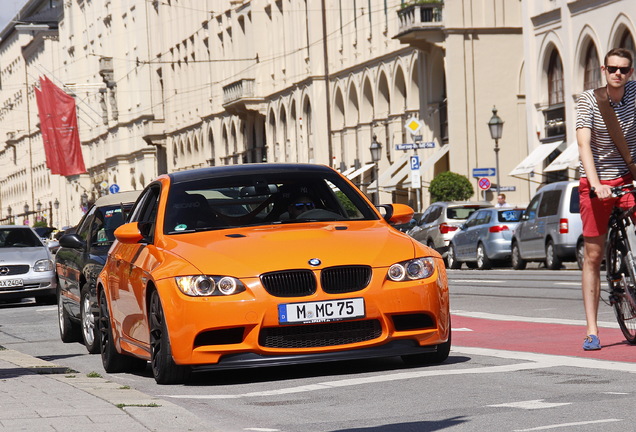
555 339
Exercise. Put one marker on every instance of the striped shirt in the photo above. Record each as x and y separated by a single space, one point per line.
607 159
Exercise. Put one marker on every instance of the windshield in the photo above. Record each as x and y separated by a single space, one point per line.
18 237
281 198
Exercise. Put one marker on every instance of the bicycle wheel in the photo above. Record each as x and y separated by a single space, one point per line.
621 284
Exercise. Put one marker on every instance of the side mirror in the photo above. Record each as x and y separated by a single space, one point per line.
129 233
72 241
398 214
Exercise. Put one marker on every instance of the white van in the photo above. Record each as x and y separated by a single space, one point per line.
550 229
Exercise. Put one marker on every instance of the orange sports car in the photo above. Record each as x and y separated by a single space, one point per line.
266 264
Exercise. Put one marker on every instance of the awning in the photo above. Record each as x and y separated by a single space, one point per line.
403 176
535 157
568 159
386 175
360 171
348 171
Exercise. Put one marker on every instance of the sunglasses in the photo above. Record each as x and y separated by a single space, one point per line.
613 69
300 206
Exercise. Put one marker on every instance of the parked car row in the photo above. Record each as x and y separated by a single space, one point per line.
549 230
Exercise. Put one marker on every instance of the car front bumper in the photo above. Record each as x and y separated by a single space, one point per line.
401 318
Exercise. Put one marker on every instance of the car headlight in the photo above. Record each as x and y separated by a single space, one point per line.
418 268
43 265
202 285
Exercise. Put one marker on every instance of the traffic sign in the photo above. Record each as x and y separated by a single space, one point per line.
114 188
415 163
505 188
484 172
415 146
484 183
413 125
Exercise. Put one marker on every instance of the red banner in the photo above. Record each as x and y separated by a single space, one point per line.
52 160
58 122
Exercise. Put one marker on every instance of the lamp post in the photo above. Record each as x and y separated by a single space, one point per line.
496 128
9 209
25 221
376 154
56 205
84 202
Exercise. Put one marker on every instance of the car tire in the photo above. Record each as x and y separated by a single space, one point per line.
580 253
164 369
112 360
443 350
518 263
552 261
483 262
69 331
90 332
451 258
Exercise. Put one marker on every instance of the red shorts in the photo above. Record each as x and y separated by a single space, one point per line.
595 213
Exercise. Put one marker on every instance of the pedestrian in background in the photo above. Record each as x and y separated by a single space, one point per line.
501 201
602 167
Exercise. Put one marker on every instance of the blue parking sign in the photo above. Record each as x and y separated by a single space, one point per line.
415 163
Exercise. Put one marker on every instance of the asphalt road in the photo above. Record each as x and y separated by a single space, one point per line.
516 365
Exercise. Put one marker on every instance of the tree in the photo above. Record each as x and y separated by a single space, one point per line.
450 186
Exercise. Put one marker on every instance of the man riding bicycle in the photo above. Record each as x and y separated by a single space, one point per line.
602 167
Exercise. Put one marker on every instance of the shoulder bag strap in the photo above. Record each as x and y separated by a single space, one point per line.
614 128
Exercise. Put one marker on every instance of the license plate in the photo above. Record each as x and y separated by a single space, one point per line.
8 283
321 311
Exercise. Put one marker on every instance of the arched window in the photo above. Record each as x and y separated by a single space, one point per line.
555 79
627 42
592 78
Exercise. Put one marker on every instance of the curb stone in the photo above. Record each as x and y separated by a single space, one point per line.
150 413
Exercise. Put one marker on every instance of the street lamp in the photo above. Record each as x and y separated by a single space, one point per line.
38 206
26 209
9 209
496 129
56 205
376 154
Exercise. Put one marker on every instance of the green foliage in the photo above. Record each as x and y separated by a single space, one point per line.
450 186
40 223
346 202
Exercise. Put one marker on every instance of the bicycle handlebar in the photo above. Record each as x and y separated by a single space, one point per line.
617 191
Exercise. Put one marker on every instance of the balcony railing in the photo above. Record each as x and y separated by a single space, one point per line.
241 89
421 16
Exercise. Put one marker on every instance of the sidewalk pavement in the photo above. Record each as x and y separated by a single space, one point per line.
36 395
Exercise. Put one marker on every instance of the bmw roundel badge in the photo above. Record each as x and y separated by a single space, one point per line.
314 262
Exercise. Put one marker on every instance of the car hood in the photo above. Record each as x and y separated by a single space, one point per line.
251 251
22 255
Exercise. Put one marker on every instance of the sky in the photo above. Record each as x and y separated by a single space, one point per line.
9 9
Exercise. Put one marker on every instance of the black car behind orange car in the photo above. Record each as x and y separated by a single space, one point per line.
79 260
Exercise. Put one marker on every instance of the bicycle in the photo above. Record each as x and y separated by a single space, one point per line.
620 264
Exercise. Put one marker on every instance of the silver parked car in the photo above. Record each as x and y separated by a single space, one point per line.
26 266
550 229
441 220
484 238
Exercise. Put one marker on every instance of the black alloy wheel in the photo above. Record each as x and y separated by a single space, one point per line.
164 369
112 360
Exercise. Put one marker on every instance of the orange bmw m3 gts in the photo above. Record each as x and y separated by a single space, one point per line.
265 265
